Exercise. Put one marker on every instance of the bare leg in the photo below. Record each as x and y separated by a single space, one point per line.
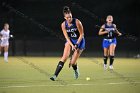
73 62
106 54
112 53
66 52
62 61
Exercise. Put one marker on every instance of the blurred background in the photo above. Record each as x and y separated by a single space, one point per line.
35 25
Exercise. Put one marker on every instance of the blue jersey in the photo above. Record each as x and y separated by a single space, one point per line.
112 32
73 34
72 30
109 38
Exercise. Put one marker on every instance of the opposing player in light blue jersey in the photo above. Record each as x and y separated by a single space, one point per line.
109 31
74 33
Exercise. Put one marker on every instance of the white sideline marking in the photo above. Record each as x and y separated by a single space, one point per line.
24 86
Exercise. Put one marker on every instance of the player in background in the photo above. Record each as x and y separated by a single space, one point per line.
4 41
74 33
109 31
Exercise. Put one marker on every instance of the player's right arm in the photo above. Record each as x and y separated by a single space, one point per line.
101 31
66 35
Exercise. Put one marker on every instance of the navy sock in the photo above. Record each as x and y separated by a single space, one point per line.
59 68
74 67
111 60
105 59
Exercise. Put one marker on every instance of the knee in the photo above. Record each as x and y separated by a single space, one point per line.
106 55
112 53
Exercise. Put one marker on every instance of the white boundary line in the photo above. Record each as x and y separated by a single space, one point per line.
76 84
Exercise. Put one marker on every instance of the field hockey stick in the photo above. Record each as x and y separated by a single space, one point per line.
126 35
116 33
10 36
71 55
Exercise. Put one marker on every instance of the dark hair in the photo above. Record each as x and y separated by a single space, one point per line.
66 10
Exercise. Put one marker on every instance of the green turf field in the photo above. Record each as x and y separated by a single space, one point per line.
31 75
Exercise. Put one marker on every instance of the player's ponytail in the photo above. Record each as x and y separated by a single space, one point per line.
66 10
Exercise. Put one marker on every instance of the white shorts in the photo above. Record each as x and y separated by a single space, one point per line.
2 43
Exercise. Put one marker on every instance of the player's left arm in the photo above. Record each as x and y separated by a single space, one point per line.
119 34
80 29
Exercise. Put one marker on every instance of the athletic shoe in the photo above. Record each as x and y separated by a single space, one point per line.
53 78
105 66
6 60
111 67
76 73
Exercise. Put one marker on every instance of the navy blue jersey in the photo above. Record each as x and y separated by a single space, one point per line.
72 30
112 31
